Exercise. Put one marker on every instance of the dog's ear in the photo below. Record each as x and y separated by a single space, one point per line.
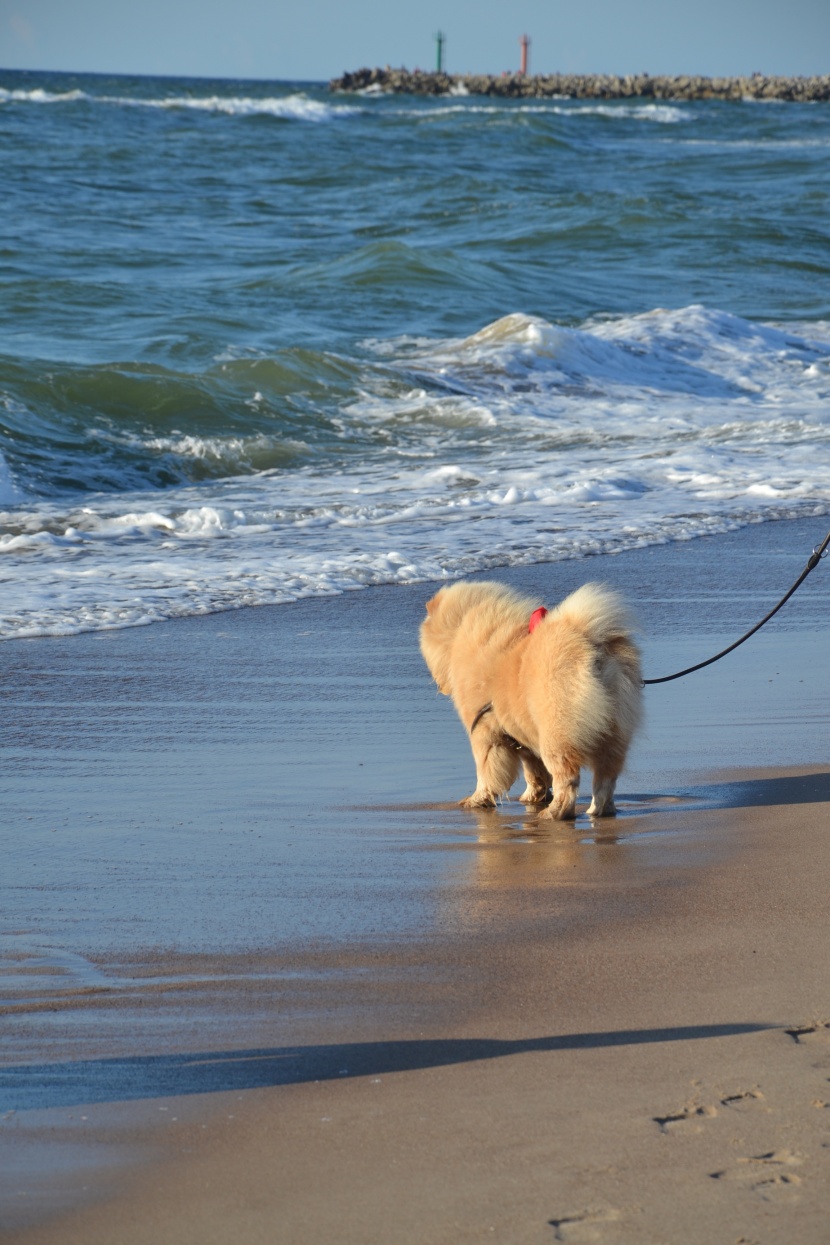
430 606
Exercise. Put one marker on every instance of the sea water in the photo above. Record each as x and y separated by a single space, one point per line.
259 341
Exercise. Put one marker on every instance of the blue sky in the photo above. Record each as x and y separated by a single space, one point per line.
317 39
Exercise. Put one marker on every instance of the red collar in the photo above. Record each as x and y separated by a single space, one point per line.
536 617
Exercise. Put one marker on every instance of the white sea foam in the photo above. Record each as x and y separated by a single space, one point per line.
297 107
291 107
301 107
523 442
665 114
39 96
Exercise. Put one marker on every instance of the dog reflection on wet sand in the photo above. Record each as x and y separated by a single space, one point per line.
545 691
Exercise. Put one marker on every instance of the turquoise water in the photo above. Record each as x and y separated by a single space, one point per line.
259 341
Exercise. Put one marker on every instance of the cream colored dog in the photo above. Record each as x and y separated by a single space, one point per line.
553 691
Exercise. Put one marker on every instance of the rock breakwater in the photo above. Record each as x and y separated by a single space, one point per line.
585 86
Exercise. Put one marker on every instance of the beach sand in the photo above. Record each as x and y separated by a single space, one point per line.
265 982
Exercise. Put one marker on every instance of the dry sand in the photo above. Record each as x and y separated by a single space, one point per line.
614 1033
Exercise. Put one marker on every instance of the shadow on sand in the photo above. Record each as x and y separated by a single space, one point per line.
766 792
29 1087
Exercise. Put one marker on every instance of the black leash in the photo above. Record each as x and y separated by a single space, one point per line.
813 561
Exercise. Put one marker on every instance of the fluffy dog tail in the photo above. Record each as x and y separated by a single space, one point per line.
610 692
598 612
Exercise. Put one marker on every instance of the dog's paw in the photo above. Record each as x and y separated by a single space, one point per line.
558 811
478 800
603 809
535 795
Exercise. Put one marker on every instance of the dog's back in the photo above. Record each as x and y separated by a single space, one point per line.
471 623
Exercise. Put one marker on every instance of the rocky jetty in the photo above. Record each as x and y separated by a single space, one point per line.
584 86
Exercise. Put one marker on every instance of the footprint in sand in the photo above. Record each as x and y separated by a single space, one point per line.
690 1118
584 1225
687 1119
769 1175
816 1038
744 1100
811 1034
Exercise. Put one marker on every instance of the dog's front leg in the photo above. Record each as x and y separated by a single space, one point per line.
497 767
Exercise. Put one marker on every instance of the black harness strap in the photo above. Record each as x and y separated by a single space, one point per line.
488 708
505 738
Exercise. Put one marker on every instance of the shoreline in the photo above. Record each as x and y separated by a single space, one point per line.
236 922
587 86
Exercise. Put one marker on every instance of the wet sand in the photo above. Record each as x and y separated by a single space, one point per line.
263 981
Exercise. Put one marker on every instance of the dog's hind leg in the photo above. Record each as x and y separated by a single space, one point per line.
607 767
602 803
536 777
564 772
606 772
497 767
606 763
